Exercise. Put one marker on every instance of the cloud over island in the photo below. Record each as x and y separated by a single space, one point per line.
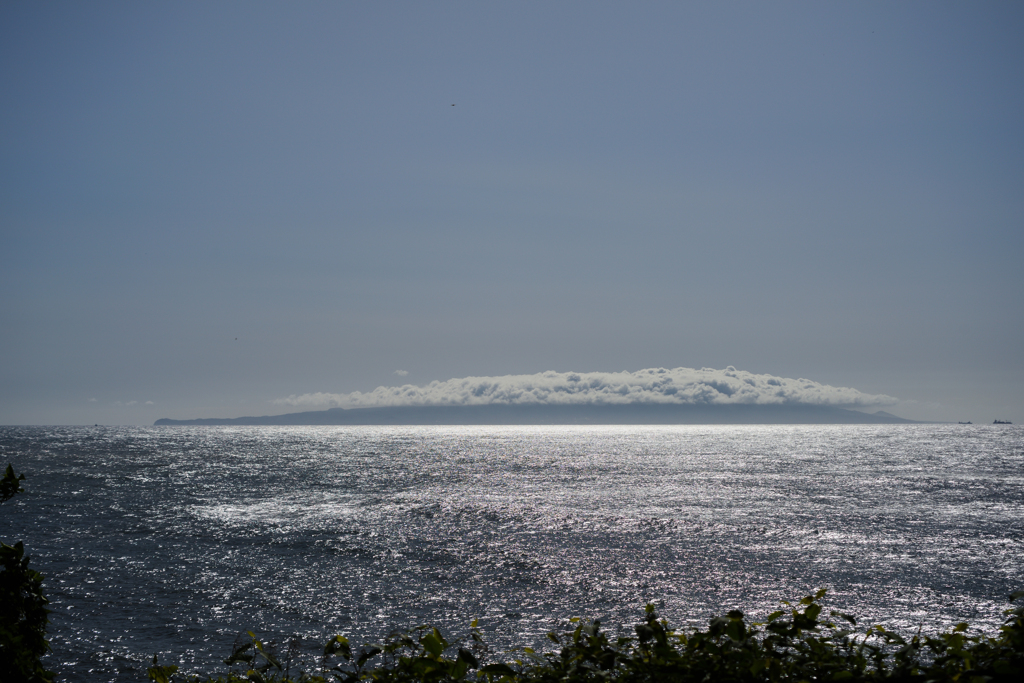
706 386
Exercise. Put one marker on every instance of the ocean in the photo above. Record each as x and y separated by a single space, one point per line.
175 540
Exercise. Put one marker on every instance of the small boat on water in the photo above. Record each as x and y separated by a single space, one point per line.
965 423
1002 422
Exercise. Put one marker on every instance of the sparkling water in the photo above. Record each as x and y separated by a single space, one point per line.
174 540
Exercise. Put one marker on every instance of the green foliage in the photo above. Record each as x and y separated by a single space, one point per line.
23 612
10 484
161 674
794 644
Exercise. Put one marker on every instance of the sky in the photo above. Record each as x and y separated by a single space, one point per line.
210 209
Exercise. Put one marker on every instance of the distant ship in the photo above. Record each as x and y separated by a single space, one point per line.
1002 422
965 423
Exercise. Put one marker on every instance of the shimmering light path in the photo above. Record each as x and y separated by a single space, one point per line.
173 540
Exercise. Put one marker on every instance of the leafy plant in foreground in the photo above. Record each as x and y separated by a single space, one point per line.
793 644
23 612
11 484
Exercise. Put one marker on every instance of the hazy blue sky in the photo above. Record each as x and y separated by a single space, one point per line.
207 207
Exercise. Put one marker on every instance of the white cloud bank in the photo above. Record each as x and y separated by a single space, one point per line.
656 385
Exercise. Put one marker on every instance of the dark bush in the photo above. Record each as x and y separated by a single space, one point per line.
23 612
794 644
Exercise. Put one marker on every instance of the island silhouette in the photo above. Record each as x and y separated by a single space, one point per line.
567 414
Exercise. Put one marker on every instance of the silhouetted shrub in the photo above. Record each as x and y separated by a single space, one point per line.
23 612
794 644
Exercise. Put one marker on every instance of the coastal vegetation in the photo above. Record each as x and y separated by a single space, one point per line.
798 643
23 612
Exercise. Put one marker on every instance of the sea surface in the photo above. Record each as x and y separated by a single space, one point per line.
176 540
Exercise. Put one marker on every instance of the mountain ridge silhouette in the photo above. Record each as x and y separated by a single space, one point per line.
569 414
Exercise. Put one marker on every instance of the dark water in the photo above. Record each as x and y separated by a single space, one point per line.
173 540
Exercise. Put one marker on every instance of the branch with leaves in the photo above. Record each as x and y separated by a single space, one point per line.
23 611
794 644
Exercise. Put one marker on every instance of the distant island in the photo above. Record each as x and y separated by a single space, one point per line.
569 414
